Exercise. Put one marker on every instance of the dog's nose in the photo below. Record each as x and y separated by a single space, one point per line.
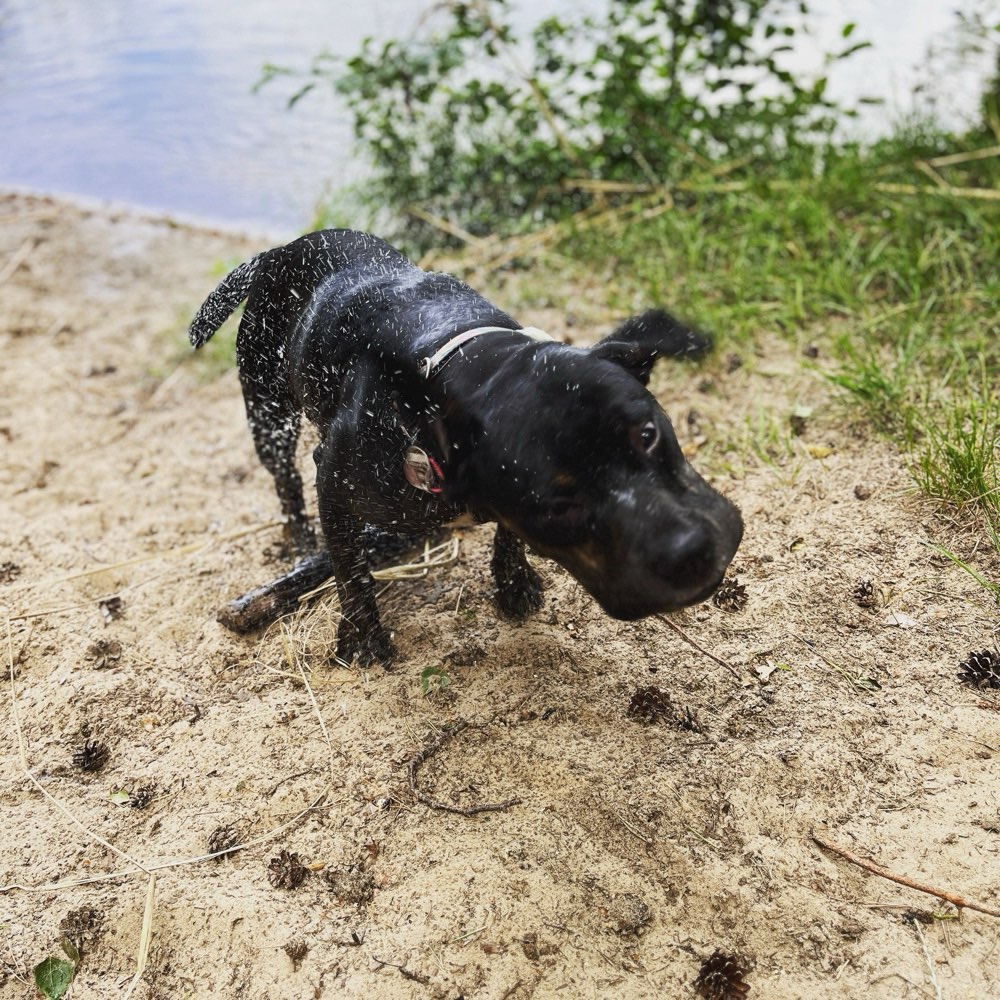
690 557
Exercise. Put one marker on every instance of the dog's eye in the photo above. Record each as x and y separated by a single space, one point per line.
646 437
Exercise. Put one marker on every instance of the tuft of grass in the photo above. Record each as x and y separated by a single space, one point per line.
957 460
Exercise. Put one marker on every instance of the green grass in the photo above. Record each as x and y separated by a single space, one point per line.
956 458
901 289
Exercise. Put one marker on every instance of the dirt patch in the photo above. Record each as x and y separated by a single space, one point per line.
664 806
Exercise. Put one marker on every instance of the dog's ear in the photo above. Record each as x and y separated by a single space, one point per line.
457 435
639 341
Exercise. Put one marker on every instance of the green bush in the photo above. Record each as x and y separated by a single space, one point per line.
465 123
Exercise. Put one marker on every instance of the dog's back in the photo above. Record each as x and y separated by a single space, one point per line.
295 269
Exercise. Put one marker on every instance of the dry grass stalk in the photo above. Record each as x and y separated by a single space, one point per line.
490 254
446 227
26 768
145 936
21 254
925 168
174 552
433 557
975 154
983 194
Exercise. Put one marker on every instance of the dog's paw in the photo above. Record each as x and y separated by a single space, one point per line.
374 647
519 593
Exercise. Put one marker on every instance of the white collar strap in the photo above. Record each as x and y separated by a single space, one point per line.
437 359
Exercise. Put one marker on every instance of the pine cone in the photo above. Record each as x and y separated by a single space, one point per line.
687 719
296 950
92 756
650 705
981 670
111 608
104 653
721 977
223 838
140 797
865 595
286 871
731 595
82 927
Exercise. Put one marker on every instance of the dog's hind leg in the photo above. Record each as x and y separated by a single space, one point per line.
274 423
519 587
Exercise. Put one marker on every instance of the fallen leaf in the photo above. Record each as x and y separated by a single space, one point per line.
764 670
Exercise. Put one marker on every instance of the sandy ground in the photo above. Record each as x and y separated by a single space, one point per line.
635 850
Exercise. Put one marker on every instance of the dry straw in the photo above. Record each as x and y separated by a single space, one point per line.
644 201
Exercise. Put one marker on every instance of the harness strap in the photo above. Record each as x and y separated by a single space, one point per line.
420 468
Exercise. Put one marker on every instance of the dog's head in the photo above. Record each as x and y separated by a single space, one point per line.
568 449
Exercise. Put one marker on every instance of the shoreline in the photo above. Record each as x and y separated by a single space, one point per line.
118 210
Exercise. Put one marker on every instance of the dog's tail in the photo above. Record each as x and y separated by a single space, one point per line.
216 309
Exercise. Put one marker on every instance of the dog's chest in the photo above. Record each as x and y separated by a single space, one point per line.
390 477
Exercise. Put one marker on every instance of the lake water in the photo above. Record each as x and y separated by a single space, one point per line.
151 102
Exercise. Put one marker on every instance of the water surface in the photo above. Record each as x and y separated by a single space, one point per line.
151 102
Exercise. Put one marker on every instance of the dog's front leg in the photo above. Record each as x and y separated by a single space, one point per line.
361 634
340 460
519 587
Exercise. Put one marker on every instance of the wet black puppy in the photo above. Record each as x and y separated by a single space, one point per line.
430 401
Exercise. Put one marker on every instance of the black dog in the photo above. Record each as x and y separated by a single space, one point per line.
430 401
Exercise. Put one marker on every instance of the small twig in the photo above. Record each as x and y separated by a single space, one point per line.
405 972
701 649
427 752
291 777
960 902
